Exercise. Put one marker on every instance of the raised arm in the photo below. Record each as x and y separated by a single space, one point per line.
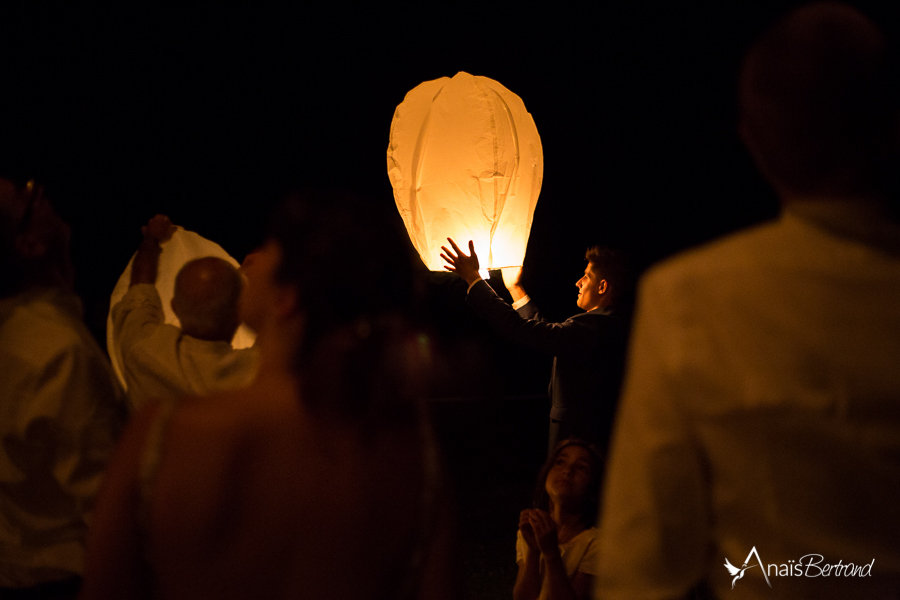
573 336
512 277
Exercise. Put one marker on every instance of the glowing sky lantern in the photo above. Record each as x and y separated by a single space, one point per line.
465 162
182 247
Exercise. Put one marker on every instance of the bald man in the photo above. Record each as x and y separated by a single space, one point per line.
162 360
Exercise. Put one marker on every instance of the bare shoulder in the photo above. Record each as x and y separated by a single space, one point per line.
246 474
209 436
235 412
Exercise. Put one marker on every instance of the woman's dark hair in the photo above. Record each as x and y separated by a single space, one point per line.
351 266
592 499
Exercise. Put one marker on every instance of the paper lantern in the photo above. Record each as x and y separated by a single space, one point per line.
465 162
183 247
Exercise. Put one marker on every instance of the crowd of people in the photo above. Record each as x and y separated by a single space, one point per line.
757 413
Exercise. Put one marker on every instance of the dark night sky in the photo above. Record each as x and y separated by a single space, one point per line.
206 114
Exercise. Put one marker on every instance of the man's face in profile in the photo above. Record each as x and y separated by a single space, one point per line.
590 289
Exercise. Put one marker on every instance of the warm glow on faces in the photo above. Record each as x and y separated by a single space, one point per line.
570 475
590 289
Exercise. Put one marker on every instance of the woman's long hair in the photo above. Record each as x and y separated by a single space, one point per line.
352 269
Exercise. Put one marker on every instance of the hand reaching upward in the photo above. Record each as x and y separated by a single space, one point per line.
146 261
159 228
461 264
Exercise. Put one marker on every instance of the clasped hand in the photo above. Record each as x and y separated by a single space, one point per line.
539 531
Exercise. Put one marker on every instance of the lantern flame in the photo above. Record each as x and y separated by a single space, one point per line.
465 161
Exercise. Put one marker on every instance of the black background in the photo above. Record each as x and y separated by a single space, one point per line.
208 114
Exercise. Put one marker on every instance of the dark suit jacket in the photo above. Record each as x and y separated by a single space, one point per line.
588 351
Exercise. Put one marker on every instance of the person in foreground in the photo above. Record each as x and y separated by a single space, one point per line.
61 405
757 449
320 480
588 348
556 545
162 360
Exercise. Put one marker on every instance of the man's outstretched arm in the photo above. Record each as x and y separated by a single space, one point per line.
140 310
571 337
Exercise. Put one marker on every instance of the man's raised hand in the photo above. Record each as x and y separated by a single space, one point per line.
146 261
461 264
159 228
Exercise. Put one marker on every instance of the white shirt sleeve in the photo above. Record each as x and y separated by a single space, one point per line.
521 302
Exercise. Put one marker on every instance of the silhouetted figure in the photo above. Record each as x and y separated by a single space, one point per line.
160 360
588 348
760 418
321 479
556 547
61 407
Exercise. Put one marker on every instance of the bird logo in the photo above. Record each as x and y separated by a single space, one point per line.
738 573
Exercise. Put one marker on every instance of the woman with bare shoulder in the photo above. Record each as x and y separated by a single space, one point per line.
321 479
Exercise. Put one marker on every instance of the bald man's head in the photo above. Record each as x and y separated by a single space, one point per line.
817 109
206 299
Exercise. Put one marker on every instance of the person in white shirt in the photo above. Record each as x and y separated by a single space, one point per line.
61 407
320 480
161 360
757 448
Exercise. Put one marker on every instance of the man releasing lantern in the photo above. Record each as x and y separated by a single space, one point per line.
465 162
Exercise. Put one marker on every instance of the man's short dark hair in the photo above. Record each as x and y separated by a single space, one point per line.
613 266
817 104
